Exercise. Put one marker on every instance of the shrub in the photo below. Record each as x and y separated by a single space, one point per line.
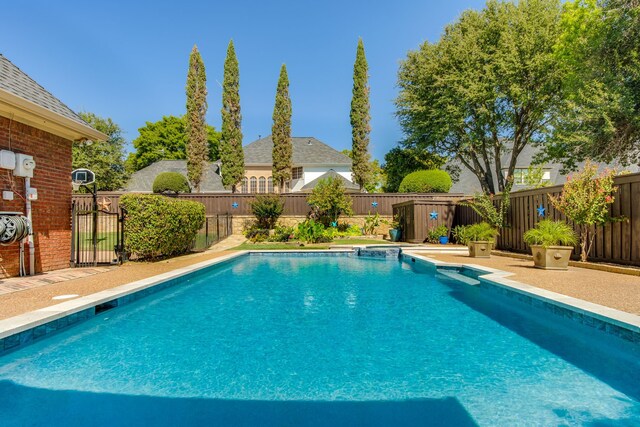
282 234
426 181
267 208
371 222
158 226
328 201
349 230
461 234
551 233
171 183
483 205
481 232
310 231
434 234
585 200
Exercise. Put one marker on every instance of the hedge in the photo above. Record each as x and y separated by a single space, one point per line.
426 181
159 226
171 183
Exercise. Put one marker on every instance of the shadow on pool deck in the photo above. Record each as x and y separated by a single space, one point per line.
27 406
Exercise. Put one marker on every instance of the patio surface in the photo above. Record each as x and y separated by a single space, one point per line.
609 289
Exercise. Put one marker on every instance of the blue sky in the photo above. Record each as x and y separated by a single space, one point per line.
128 59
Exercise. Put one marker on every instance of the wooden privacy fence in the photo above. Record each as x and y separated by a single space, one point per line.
294 203
617 242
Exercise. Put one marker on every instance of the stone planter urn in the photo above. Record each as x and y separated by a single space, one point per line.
480 249
551 257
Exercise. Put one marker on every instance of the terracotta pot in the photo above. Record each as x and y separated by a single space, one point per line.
551 257
480 249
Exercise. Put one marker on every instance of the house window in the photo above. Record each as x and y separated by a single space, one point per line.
296 173
254 184
245 185
524 176
270 184
262 185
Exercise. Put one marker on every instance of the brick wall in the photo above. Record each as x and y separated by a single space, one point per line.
52 210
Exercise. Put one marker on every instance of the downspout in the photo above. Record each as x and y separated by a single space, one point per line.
30 241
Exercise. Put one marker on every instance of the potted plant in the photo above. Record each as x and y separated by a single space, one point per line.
481 238
395 232
439 234
551 244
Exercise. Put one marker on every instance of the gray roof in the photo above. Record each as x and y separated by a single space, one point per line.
348 185
469 184
142 180
18 83
306 151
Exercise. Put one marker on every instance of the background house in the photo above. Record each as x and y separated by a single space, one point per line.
312 160
33 122
142 181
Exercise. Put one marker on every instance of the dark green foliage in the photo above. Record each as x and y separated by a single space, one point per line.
311 231
461 234
104 158
267 208
429 181
171 183
196 127
159 226
256 234
360 117
282 234
400 162
434 234
166 139
281 133
488 88
328 201
231 153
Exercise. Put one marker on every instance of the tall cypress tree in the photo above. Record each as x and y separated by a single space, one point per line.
231 154
360 117
196 127
281 132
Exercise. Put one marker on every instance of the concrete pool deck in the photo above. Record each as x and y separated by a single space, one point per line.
613 290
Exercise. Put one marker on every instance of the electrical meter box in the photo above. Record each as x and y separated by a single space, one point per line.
24 166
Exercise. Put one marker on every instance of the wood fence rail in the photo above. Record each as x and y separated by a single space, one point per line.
617 242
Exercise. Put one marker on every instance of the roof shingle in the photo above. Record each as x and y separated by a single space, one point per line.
306 151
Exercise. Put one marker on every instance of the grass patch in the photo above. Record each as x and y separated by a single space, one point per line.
105 241
274 246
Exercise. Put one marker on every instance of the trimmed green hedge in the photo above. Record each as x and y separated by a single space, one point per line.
159 226
171 183
427 181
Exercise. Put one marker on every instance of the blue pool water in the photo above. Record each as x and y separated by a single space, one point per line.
319 341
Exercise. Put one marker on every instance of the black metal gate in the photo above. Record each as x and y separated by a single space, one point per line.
97 233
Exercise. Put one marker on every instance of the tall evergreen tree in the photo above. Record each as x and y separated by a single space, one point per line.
196 127
281 132
231 154
360 117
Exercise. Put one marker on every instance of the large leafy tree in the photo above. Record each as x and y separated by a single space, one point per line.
400 162
231 153
105 158
360 117
489 87
196 126
599 48
166 139
281 133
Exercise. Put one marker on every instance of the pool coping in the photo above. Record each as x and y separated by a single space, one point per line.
23 322
500 278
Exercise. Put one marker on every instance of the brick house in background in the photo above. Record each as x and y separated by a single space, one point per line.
35 123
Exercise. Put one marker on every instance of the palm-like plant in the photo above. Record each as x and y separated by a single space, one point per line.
551 233
481 232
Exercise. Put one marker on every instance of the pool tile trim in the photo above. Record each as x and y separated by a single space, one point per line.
500 279
22 328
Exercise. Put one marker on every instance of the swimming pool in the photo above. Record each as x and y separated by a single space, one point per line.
321 340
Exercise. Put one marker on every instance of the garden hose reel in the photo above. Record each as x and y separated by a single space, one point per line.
14 226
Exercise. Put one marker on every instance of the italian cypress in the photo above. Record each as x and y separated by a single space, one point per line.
196 127
281 132
360 117
231 154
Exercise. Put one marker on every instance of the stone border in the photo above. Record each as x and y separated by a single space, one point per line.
498 278
24 328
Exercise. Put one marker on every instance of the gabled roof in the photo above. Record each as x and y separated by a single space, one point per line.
307 151
142 180
24 98
348 185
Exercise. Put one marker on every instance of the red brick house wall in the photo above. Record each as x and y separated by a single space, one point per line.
52 211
